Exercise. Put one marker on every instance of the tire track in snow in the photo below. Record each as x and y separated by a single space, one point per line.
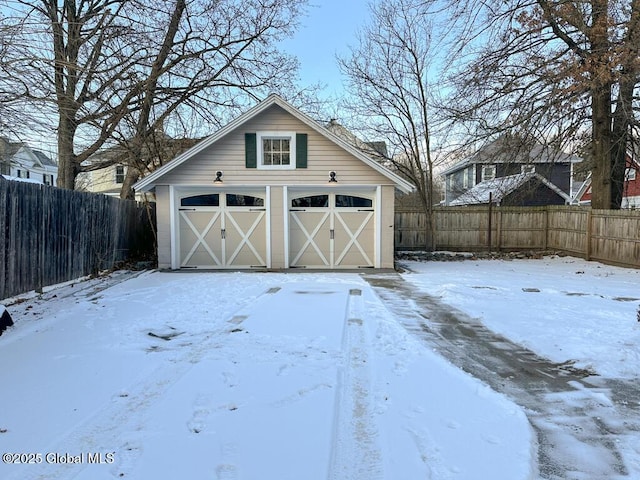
535 383
104 431
355 452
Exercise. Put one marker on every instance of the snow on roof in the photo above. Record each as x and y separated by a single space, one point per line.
500 187
19 179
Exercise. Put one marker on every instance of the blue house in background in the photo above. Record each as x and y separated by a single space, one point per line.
516 174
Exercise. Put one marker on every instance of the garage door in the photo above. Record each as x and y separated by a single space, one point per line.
331 230
222 230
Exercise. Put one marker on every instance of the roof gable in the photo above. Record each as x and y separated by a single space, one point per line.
151 180
44 160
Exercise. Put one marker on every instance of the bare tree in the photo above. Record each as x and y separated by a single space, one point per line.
562 72
126 67
389 91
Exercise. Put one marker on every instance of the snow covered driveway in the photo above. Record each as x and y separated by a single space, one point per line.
241 376
559 336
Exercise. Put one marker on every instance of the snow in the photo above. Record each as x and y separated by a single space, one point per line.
563 308
289 376
20 179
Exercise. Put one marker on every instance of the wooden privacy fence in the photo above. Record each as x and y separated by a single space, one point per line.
52 235
611 236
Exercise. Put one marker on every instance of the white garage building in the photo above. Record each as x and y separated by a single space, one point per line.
274 190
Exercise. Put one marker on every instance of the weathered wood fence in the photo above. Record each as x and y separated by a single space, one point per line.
50 235
610 236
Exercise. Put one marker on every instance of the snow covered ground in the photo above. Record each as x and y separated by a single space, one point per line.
289 376
562 308
578 314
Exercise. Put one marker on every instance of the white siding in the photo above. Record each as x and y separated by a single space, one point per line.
163 221
386 227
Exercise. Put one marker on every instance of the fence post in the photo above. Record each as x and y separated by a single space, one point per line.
490 213
499 230
546 227
589 234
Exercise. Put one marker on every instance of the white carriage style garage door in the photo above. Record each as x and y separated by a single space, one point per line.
222 230
331 230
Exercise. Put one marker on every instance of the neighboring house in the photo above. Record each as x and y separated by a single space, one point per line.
376 150
272 190
524 189
109 179
516 175
631 193
18 160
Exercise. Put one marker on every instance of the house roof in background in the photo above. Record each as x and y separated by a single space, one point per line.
148 182
375 149
500 187
8 148
117 154
8 151
507 149
44 159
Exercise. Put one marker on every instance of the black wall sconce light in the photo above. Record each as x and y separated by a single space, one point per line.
332 177
218 177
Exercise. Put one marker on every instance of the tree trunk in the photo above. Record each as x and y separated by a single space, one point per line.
133 174
427 207
618 160
601 118
601 148
67 168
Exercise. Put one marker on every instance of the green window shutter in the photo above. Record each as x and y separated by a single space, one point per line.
250 150
301 150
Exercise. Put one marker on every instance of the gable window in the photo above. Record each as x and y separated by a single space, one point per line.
119 174
630 174
488 172
527 169
276 150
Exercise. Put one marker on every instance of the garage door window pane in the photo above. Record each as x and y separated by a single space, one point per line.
210 200
244 201
350 201
314 201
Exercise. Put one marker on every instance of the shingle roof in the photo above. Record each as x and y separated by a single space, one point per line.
44 159
506 149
